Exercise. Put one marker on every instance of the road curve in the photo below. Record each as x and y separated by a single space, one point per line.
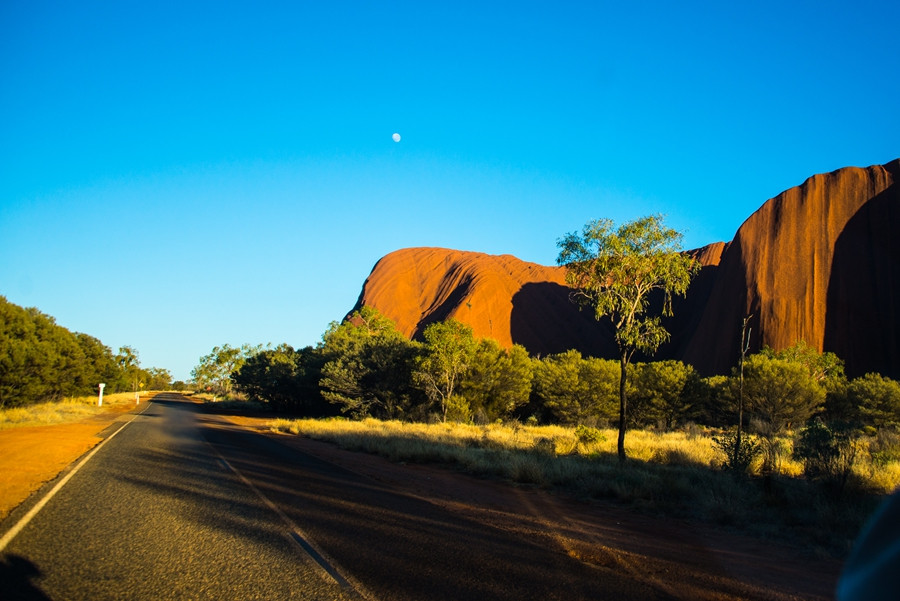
184 505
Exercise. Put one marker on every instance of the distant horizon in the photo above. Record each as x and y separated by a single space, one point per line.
174 177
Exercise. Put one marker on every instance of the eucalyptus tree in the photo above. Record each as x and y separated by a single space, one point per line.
449 351
616 272
213 373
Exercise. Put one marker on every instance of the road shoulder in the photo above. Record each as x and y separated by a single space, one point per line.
32 456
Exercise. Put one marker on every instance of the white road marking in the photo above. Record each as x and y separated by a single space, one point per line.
355 589
15 530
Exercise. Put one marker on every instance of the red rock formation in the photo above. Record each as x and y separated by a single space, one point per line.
819 262
500 297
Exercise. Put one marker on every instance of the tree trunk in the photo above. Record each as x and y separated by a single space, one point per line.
623 406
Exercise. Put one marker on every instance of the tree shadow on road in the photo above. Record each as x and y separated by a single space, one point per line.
17 574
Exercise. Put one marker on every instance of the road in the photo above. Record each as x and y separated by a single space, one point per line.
180 504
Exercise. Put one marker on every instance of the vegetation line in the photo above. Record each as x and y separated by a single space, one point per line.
675 474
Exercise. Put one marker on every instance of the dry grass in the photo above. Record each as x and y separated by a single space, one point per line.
674 473
63 412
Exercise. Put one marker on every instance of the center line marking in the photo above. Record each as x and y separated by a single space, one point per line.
304 542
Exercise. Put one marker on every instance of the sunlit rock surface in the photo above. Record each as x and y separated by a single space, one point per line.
819 262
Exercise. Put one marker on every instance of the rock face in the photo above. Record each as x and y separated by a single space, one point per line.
819 262
500 297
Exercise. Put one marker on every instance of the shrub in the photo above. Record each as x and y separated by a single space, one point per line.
586 435
545 446
727 443
828 453
884 448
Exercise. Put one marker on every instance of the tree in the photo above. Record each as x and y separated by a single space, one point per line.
129 369
269 376
159 379
43 361
780 394
213 373
615 272
668 391
100 365
369 371
575 390
825 368
449 348
497 382
876 400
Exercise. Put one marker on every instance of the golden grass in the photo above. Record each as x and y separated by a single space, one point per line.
68 410
665 448
673 473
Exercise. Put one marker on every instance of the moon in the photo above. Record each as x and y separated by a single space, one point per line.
396 137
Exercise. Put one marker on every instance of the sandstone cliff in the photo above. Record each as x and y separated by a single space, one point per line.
819 262
500 297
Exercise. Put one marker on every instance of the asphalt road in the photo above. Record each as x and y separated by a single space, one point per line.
182 505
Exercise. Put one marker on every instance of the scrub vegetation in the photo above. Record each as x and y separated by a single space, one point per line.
677 474
818 450
61 412
41 362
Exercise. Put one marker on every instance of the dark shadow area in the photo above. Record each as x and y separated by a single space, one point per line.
862 324
17 576
687 311
442 311
397 545
710 339
545 321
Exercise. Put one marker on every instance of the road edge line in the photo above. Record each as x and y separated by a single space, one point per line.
348 584
20 525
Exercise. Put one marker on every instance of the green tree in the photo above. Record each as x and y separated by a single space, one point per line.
615 272
497 382
780 394
575 390
666 390
449 349
825 368
286 379
158 379
213 373
876 400
25 360
130 373
369 371
269 376
43 361
100 364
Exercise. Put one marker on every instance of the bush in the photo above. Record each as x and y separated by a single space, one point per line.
828 453
586 435
884 447
749 450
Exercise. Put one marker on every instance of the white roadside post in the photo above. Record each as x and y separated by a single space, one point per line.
100 398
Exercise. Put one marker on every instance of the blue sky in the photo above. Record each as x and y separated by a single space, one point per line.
177 175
